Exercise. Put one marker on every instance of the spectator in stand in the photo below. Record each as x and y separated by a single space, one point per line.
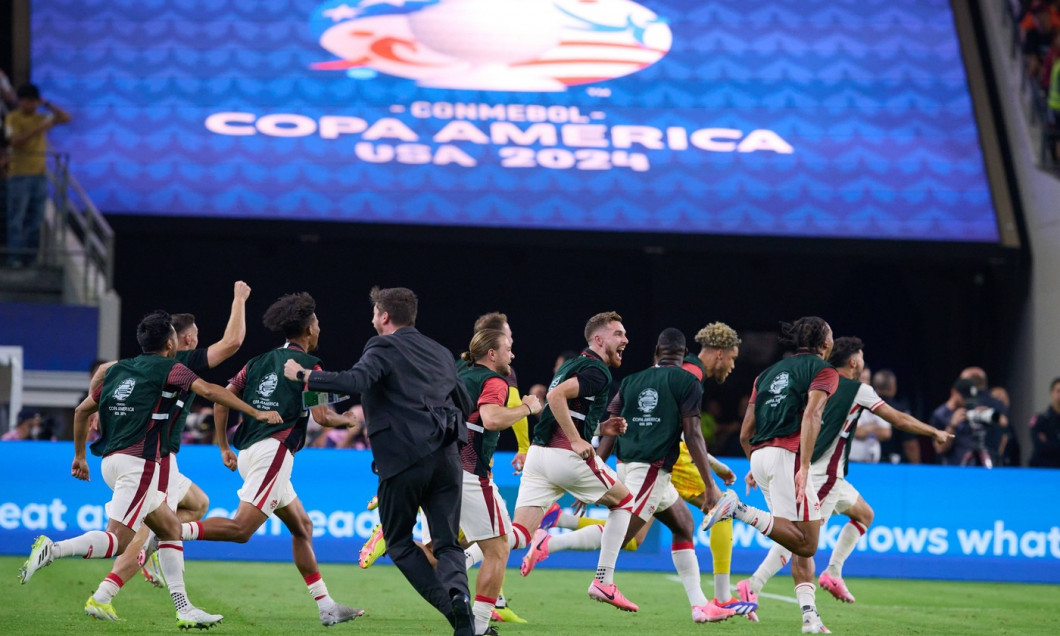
1038 25
1045 431
28 419
1051 79
902 446
866 446
27 185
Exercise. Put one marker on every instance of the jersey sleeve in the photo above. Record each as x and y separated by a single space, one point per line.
494 391
615 407
239 382
198 360
868 398
591 381
97 393
181 376
827 380
692 401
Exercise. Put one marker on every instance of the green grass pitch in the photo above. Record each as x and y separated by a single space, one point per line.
270 598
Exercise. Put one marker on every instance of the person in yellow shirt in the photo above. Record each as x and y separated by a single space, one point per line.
27 185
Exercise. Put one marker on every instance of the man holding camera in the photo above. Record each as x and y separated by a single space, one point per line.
968 416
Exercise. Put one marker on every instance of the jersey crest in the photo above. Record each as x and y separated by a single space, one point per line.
124 389
648 400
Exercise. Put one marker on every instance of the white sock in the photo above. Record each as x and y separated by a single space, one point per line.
319 591
482 610
108 588
687 566
171 557
94 544
844 545
567 520
519 537
722 591
760 519
473 555
804 592
588 538
614 536
777 558
191 531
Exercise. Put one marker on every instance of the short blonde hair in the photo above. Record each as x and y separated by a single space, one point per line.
718 335
598 322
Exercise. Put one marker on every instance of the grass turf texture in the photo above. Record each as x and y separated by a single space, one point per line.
270 598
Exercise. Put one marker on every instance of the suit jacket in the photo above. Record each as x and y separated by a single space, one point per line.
413 401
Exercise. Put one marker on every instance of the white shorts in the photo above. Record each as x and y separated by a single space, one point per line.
651 488
841 496
483 514
774 470
550 472
266 471
178 485
134 481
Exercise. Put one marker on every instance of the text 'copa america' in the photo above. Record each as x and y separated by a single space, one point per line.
500 125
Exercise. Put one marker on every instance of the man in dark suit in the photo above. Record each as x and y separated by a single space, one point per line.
415 409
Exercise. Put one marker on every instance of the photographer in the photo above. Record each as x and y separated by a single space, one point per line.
967 414
1045 431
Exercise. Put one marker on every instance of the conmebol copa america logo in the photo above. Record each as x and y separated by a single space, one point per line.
494 45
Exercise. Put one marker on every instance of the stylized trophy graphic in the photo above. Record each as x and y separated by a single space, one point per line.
490 36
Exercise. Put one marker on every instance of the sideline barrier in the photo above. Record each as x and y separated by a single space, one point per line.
931 521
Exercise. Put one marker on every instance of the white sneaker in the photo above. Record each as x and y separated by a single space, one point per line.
338 613
40 555
811 624
722 510
192 616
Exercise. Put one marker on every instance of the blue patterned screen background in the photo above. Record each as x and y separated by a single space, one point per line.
808 118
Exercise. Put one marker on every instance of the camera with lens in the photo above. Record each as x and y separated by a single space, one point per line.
976 415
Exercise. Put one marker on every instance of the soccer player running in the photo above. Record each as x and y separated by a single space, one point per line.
829 468
560 460
182 495
778 434
134 400
719 348
267 448
483 514
659 404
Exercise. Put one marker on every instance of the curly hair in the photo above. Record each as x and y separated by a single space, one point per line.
153 331
718 335
809 332
843 349
599 321
290 314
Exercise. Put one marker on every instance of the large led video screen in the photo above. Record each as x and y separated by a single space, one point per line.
808 118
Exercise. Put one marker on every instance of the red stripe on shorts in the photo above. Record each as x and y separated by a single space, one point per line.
270 477
141 491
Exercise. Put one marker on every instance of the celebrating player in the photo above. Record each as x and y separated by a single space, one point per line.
183 497
562 460
829 468
268 448
779 430
134 400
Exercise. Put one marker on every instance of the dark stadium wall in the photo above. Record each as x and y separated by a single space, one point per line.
923 310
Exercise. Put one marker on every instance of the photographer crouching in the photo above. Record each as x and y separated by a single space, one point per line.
969 414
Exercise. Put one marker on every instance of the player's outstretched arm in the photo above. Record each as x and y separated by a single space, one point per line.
220 395
235 330
910 424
